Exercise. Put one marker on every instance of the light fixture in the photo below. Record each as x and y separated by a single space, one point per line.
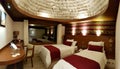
98 32
63 9
84 32
8 6
73 31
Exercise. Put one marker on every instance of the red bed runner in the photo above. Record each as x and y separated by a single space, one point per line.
54 52
82 62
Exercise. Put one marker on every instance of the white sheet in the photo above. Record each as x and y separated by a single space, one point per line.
64 51
96 56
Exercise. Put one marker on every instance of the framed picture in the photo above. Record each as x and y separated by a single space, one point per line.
2 18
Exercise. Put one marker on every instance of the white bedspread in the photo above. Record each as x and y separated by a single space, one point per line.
96 56
64 51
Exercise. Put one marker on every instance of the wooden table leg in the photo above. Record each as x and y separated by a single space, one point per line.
18 65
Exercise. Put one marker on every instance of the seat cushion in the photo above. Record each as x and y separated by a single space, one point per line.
29 53
29 46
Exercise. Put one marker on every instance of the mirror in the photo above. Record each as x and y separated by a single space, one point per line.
42 34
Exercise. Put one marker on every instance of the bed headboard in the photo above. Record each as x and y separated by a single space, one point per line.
82 42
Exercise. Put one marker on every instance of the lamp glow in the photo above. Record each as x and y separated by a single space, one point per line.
84 32
98 32
73 31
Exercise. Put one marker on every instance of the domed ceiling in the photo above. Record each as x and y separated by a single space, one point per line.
63 9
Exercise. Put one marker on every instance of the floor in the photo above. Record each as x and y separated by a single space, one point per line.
37 63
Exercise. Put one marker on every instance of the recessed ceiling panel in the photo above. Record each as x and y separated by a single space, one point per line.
63 9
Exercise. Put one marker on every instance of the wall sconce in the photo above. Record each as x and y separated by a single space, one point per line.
51 31
84 32
73 31
98 32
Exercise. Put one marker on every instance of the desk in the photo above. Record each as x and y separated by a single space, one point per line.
6 57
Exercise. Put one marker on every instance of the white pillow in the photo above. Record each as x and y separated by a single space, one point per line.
73 42
96 43
70 40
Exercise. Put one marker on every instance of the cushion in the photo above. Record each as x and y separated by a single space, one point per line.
29 46
100 43
67 43
95 48
73 42
70 40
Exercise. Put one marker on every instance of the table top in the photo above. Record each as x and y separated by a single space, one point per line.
6 56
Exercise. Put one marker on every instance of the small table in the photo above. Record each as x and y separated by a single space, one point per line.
6 56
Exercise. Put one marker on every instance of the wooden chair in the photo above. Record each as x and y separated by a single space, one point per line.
30 52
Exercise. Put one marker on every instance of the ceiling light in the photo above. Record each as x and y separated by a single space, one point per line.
8 6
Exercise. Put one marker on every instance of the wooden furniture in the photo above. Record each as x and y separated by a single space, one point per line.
6 56
30 52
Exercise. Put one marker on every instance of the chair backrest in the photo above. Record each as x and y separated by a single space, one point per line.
30 50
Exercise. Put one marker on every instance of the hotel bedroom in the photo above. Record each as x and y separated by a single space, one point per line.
75 28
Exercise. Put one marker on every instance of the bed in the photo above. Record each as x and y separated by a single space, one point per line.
65 50
91 58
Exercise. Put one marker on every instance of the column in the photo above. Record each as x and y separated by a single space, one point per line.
26 41
60 33
117 49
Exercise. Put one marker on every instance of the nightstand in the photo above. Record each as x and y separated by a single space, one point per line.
78 50
110 64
